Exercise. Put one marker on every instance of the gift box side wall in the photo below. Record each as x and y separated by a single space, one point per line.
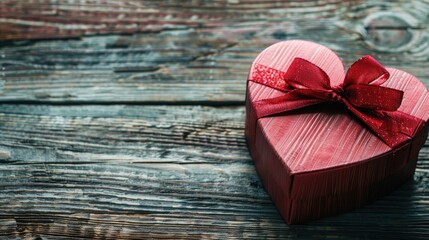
277 183
361 184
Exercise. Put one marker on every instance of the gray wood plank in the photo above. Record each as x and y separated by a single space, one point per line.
187 52
128 172
120 171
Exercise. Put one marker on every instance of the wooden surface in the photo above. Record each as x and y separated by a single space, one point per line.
125 119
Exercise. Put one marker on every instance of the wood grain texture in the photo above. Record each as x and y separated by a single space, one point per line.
166 172
121 171
187 51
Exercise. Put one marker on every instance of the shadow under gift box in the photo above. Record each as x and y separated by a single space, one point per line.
320 160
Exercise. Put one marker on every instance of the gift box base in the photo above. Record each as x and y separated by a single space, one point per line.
301 204
296 211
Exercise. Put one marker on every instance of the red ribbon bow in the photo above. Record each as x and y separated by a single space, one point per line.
306 84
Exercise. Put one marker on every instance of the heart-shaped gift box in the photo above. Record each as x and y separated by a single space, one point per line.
326 141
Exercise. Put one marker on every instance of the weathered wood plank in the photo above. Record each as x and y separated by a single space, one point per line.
44 19
202 54
131 172
144 134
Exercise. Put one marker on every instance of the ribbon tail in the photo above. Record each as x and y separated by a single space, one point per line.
288 102
269 77
402 122
388 130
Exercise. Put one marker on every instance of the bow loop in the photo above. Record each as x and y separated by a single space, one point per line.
366 71
374 97
297 75
306 84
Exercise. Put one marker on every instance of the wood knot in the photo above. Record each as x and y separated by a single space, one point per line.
390 31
